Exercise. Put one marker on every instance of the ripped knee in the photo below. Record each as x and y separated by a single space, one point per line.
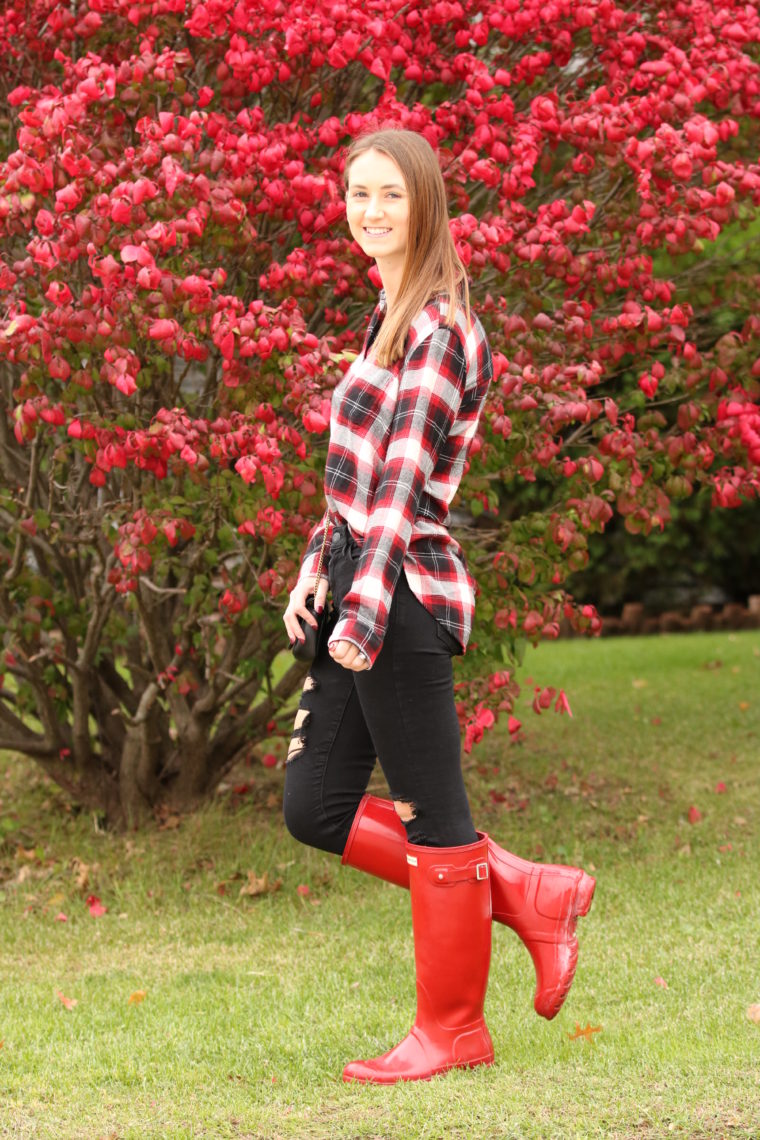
406 811
303 716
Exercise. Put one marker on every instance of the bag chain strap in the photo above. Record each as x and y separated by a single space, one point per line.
322 551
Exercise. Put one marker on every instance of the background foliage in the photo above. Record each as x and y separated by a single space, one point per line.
179 294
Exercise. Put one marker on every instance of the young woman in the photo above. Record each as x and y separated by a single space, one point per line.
381 686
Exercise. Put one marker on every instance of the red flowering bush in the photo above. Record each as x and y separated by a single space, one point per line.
179 294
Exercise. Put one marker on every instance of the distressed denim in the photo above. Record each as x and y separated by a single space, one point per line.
401 713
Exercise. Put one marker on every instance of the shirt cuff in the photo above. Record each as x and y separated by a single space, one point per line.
309 566
347 629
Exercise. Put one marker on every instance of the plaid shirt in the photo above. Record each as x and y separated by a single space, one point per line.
398 442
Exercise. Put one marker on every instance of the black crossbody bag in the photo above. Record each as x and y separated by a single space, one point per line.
307 649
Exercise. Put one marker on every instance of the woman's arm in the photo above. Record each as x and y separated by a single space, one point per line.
431 388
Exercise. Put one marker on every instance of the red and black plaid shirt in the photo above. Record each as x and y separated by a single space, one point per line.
398 442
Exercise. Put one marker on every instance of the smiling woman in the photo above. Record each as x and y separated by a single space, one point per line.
377 209
381 686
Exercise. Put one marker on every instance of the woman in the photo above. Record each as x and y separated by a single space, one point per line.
381 686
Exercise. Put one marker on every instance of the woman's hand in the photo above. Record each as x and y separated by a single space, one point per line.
297 606
348 655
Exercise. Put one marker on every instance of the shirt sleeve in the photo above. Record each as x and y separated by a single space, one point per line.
430 392
310 560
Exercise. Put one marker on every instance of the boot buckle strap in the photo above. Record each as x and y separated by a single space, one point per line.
444 873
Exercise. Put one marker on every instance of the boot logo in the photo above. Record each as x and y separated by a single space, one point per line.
411 860
481 871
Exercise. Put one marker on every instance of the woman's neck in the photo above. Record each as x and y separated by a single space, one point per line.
390 275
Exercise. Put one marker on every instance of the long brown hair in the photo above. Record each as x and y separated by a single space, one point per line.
432 264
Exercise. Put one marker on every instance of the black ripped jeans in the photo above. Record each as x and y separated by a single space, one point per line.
401 712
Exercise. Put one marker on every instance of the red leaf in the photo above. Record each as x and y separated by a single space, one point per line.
95 906
695 814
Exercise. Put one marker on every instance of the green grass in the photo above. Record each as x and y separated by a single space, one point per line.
253 1005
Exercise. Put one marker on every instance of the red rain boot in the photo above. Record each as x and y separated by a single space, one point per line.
541 902
451 920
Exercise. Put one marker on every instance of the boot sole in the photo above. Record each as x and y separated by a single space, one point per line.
389 1079
550 1005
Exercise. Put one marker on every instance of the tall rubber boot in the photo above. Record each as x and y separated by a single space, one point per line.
541 902
451 921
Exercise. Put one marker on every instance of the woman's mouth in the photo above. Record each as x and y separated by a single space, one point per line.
375 232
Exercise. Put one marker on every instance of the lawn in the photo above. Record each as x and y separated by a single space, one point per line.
190 1009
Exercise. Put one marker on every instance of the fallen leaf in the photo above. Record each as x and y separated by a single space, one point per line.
587 1032
725 847
68 1002
95 906
695 814
61 917
259 885
81 873
639 683
743 706
256 885
137 997
303 891
720 787
753 1013
170 822
661 982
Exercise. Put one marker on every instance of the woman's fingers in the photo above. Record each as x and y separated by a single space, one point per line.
348 655
297 609
320 597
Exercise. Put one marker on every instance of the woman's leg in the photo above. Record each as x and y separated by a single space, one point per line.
330 758
408 703
331 754
407 699
402 711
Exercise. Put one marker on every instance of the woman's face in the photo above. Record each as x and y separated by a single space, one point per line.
377 207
